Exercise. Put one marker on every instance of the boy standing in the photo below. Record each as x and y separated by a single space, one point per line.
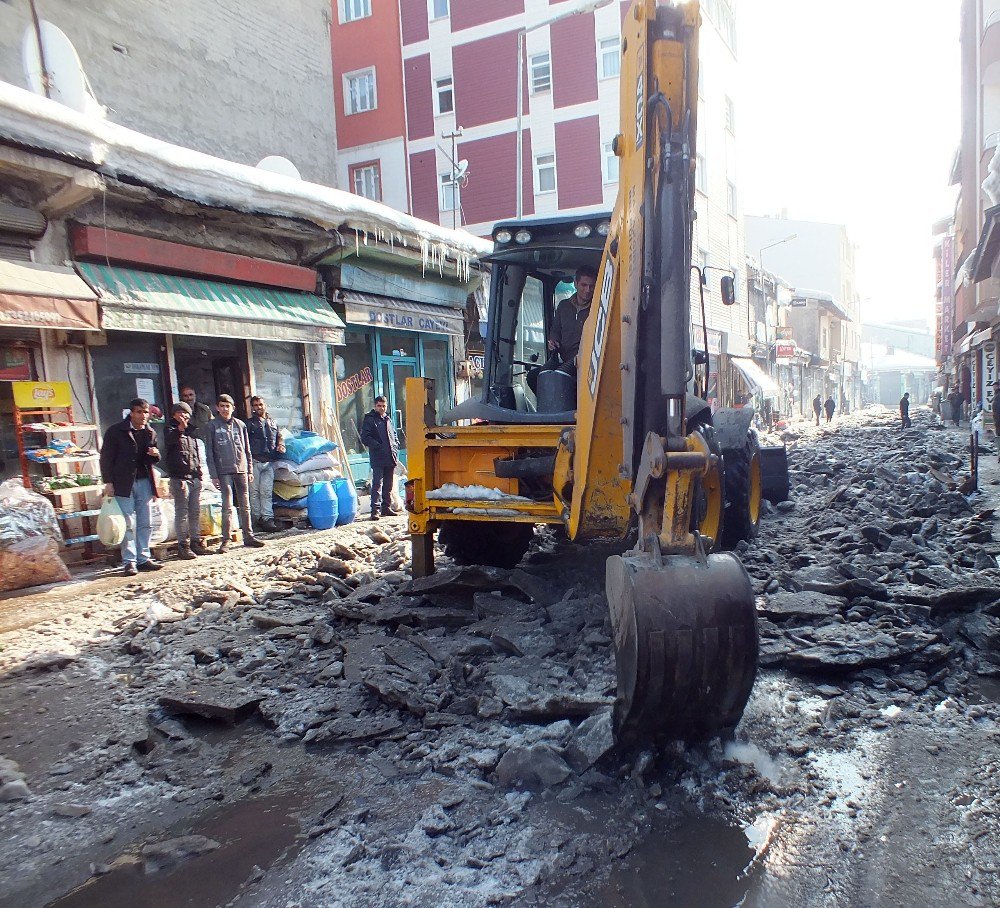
266 446
183 466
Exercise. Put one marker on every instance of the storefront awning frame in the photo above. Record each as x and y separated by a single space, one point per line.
371 311
756 377
46 296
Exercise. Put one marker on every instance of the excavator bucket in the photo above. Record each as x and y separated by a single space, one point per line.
686 645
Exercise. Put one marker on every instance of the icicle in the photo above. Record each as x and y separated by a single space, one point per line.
424 250
357 241
442 252
366 237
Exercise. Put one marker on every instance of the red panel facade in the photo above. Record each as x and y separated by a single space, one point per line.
574 61
578 163
489 195
413 14
485 75
424 186
467 13
419 99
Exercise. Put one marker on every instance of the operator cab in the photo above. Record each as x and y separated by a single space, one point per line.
534 263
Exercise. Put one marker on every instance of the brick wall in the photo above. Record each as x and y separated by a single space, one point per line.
485 74
419 97
574 61
578 162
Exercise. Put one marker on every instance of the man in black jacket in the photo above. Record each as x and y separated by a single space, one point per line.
904 410
266 446
378 434
183 466
127 457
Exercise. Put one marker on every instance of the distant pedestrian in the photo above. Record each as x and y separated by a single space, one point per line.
227 449
183 466
830 406
266 446
378 434
956 400
904 410
817 407
127 457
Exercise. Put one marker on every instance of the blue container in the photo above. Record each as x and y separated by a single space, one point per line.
321 505
347 501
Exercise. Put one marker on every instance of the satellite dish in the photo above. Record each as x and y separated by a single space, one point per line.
68 83
461 170
275 163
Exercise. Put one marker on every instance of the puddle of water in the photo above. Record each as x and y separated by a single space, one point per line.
692 862
255 832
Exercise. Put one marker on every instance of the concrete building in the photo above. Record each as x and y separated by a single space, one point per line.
424 84
818 260
238 79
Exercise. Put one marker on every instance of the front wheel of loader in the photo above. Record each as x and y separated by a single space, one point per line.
686 645
709 509
500 545
743 492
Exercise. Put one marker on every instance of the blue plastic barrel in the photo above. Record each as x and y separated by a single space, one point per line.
347 501
321 505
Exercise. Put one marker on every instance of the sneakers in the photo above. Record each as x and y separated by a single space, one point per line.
184 552
222 549
129 569
151 565
198 548
252 542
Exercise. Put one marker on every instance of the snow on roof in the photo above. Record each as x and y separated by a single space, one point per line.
119 152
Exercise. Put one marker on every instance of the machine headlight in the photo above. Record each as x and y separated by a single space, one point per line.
503 236
522 237
582 231
604 228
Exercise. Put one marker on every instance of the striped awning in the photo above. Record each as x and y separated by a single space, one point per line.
134 300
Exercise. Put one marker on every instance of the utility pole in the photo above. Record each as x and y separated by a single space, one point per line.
456 200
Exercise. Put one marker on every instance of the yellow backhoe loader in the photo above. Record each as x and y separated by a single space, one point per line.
613 441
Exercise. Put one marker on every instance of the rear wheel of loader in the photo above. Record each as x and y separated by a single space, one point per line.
500 545
743 492
686 645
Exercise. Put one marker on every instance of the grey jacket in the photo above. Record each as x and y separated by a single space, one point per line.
227 447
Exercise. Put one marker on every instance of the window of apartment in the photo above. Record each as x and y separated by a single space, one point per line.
444 95
541 73
702 257
359 91
701 174
545 173
701 80
730 115
367 180
609 57
449 192
355 9
727 23
439 9
611 163
731 199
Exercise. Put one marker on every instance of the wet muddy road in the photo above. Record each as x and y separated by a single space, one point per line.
301 727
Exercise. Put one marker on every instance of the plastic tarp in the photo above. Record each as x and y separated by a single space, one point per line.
756 377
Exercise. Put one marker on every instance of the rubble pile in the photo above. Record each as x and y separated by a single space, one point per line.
879 566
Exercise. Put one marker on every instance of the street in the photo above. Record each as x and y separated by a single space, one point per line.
304 725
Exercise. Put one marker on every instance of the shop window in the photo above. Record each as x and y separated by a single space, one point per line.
436 366
278 379
398 343
130 365
355 387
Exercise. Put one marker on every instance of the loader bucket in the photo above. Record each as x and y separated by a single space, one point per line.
685 645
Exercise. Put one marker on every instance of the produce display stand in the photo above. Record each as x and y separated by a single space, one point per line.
44 410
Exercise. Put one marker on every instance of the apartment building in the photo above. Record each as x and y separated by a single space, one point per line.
428 121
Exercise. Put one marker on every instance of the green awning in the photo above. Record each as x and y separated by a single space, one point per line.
133 300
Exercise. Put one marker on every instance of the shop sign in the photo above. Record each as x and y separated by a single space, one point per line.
15 364
989 371
785 351
714 342
784 332
41 395
408 321
353 384
478 362
142 369
947 293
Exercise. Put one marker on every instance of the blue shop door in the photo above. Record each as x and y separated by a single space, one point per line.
393 373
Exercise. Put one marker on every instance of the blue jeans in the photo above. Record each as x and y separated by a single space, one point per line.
137 509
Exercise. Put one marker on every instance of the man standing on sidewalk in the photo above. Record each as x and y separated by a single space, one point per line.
183 466
127 457
378 434
201 415
227 448
266 446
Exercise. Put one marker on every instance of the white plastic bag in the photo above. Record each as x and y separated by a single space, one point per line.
111 524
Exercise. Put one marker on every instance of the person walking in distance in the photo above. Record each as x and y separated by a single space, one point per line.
127 457
817 407
266 446
904 410
183 465
956 400
830 406
378 434
227 449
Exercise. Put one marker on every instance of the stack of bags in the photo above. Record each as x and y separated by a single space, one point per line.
308 458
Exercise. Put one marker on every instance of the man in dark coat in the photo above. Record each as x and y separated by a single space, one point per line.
817 407
201 415
956 400
904 410
830 406
378 434
127 457
183 465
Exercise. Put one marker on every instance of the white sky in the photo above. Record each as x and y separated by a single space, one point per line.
849 113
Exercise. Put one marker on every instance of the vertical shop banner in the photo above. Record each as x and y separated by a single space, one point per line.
974 367
947 293
989 373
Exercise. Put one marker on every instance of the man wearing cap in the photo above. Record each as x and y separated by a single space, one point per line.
183 467
227 450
